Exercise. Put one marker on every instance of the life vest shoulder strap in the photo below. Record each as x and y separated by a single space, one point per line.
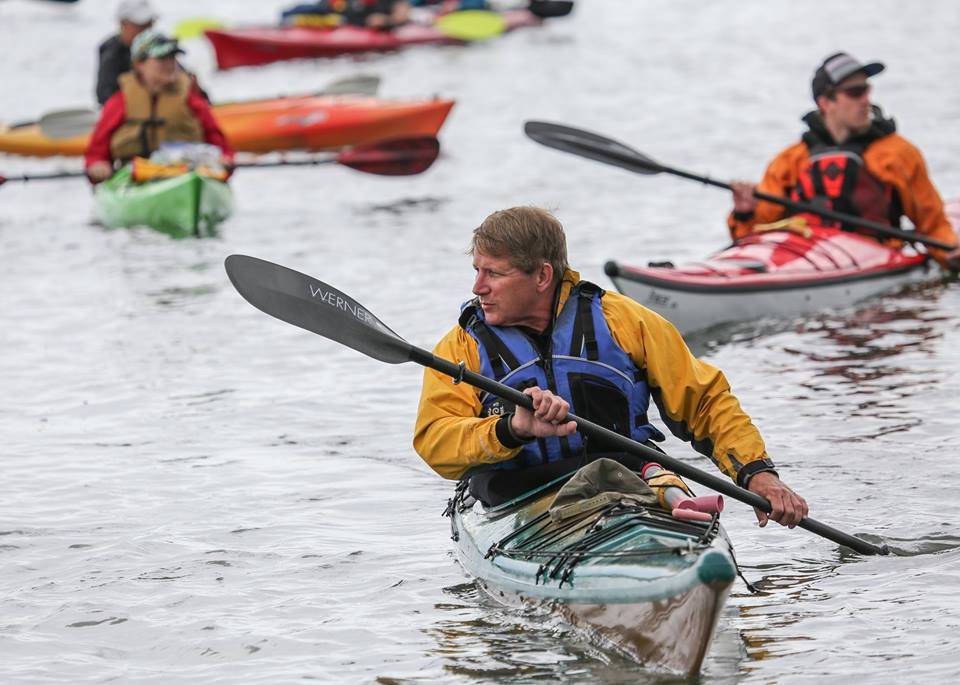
584 336
502 359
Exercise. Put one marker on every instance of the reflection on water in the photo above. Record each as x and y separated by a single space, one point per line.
931 544
483 641
411 205
851 327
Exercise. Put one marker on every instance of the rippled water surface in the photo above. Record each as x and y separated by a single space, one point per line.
192 491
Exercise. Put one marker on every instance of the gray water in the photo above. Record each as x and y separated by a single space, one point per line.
192 491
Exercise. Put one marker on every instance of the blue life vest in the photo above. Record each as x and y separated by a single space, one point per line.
584 365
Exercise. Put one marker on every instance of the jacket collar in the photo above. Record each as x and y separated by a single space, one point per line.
567 283
818 135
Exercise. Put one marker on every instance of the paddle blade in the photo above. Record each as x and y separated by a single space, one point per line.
68 123
399 157
551 8
471 25
361 84
313 305
577 141
195 26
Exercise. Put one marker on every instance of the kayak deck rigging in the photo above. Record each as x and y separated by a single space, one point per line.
590 535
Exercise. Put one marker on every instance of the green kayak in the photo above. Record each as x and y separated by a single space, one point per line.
183 206
633 577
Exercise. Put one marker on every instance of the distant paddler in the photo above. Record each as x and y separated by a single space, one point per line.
376 14
134 17
157 102
851 160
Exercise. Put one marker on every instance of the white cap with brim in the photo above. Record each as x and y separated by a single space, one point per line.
136 12
151 43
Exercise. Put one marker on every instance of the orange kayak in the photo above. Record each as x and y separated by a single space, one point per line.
305 122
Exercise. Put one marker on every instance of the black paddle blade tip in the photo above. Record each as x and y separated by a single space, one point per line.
312 305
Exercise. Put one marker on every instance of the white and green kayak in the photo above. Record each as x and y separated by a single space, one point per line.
633 577
189 205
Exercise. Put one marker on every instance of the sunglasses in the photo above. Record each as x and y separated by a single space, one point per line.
855 92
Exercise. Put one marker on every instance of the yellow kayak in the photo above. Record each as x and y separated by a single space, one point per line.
29 140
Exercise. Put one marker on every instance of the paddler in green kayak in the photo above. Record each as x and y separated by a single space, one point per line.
534 325
157 102
850 159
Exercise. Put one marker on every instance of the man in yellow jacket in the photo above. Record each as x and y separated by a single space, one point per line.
852 160
534 325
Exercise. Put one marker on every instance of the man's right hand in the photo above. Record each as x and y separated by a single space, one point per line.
99 171
743 199
547 418
787 507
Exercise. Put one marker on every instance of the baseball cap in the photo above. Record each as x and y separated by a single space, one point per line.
836 68
136 11
152 43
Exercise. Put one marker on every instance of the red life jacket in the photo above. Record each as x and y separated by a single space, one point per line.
838 179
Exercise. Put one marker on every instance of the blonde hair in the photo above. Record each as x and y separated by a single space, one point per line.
527 236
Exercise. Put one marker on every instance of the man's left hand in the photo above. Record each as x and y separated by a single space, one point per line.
787 507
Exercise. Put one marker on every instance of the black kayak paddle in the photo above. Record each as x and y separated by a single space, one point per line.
398 157
319 308
601 149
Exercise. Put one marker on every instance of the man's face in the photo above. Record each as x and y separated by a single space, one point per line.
157 72
850 106
508 296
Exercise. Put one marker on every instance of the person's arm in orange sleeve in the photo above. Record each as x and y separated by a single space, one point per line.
449 434
921 202
779 178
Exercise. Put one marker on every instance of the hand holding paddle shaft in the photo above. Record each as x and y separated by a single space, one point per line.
315 306
599 148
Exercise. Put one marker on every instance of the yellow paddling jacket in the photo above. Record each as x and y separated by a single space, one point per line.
150 122
693 398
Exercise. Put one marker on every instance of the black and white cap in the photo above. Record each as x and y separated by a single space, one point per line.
836 68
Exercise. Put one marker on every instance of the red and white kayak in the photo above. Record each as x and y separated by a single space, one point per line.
777 273
262 45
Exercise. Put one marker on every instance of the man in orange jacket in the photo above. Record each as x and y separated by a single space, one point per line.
852 160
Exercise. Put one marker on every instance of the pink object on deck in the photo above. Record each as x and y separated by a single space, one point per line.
691 515
709 504
645 471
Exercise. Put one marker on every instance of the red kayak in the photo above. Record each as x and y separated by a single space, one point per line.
253 46
777 273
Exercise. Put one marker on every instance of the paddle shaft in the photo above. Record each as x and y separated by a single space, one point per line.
407 155
882 229
625 444
609 151
43 177
296 162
